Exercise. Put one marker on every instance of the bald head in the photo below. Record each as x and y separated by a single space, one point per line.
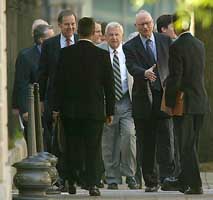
144 23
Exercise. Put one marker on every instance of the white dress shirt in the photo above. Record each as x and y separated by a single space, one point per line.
122 63
63 41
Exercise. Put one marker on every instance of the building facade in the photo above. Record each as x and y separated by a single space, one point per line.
5 180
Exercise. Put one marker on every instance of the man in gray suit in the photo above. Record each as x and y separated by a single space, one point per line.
147 61
119 141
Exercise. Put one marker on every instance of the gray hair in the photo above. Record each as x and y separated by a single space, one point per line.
37 22
143 12
41 31
114 25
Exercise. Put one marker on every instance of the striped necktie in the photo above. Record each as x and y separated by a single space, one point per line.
117 76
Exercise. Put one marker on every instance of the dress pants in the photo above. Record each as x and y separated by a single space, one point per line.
83 149
153 134
165 148
50 144
119 143
188 128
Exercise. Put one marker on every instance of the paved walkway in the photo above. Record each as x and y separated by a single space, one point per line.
125 194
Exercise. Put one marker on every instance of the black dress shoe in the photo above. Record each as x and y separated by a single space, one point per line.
195 190
72 189
132 184
94 191
100 184
85 187
152 188
112 186
60 183
173 185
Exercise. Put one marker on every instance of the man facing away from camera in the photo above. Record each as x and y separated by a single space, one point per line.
84 96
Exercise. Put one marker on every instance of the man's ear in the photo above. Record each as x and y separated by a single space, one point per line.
163 29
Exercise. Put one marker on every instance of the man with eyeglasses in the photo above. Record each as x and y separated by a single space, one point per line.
147 61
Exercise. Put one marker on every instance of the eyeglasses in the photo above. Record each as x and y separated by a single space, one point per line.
145 23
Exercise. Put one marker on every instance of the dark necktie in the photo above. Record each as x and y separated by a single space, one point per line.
150 52
117 76
68 42
156 84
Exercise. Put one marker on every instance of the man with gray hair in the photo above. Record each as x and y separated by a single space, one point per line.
147 61
118 140
26 68
37 22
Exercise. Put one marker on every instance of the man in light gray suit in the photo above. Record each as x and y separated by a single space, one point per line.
119 141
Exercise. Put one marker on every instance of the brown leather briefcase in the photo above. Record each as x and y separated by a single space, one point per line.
179 106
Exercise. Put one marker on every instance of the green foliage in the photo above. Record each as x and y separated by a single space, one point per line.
201 8
17 135
137 4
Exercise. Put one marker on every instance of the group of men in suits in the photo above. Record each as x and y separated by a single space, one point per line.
155 62
107 116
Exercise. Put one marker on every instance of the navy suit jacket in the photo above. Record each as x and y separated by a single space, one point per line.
48 62
137 62
26 72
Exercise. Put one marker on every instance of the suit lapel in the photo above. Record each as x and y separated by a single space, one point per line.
75 38
158 49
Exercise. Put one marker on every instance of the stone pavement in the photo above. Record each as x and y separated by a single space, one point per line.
125 194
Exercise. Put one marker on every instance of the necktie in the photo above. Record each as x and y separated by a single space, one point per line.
68 42
156 84
117 77
150 52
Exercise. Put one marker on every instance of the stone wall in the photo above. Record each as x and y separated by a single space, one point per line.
5 184
20 16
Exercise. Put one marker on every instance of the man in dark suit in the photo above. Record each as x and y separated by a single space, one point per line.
83 85
186 74
26 68
47 66
147 61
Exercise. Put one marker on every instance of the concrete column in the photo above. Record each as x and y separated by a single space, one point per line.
5 182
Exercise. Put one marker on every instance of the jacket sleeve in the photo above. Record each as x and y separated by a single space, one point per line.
173 82
58 83
135 68
43 71
21 83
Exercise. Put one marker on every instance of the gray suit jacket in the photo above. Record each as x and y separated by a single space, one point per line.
105 46
137 62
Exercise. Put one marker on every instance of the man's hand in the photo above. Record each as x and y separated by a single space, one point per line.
55 115
150 74
25 116
109 120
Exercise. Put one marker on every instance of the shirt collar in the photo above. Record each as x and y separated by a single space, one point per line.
152 38
86 40
119 49
184 33
71 38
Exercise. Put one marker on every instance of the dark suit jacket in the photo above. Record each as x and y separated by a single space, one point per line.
49 59
186 68
137 62
84 76
26 73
